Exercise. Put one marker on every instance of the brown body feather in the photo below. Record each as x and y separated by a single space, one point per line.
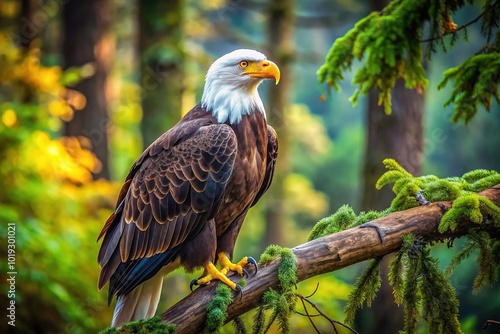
186 197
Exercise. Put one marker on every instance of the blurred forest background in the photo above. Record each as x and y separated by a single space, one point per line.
86 85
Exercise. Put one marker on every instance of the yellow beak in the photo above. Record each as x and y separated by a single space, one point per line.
264 69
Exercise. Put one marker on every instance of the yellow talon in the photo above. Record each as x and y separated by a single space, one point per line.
212 273
227 265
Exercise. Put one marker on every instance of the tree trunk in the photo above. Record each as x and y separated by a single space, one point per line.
88 40
398 136
29 29
162 59
327 254
280 48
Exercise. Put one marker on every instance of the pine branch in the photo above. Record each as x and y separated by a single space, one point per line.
454 31
329 253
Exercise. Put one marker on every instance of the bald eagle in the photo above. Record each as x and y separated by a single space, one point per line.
185 198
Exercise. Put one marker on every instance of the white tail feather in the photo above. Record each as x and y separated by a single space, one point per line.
140 303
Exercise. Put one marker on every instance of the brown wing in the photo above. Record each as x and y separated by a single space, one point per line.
272 154
173 189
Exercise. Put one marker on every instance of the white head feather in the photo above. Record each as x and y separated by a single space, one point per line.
228 94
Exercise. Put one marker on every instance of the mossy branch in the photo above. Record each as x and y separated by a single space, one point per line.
342 249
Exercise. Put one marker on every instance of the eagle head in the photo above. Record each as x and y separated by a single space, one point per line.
231 84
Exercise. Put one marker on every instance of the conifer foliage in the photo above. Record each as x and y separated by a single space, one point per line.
391 43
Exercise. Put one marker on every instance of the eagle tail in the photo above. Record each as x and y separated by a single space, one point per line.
140 303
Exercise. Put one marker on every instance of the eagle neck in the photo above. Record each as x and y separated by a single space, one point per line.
229 104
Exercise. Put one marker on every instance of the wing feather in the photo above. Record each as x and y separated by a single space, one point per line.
126 243
158 209
180 194
144 218
272 154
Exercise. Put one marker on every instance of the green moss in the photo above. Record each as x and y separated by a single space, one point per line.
337 222
239 326
423 288
487 259
287 270
396 270
343 219
467 204
439 300
281 303
365 289
242 282
217 309
259 319
153 325
270 253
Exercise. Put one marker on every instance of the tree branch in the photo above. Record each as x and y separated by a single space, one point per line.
454 31
326 254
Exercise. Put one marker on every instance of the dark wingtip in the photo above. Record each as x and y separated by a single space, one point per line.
252 261
110 298
193 283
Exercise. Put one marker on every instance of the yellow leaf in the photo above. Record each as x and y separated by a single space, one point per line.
76 99
9 118
61 109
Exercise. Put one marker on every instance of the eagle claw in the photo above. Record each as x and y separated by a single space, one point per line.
252 261
193 283
245 273
240 290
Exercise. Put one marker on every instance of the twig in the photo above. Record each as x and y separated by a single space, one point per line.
314 292
332 321
304 299
421 199
454 31
310 318
488 323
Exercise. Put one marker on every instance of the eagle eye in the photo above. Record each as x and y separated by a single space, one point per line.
243 64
